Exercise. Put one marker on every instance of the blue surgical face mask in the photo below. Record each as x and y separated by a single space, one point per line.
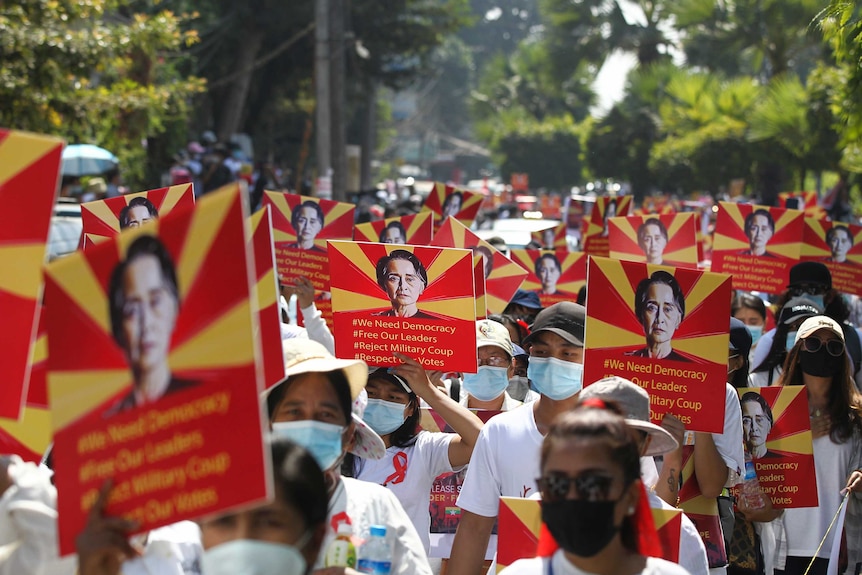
556 378
253 557
322 440
384 416
756 331
489 383
791 340
816 299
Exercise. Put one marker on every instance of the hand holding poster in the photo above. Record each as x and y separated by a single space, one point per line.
777 433
414 300
447 201
594 237
415 230
839 247
757 245
104 219
29 172
664 329
669 240
555 275
553 238
147 408
503 277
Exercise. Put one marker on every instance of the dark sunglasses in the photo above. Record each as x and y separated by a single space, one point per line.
588 486
834 347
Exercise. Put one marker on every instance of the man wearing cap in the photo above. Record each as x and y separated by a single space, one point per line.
487 389
633 401
505 460
524 305
319 405
813 281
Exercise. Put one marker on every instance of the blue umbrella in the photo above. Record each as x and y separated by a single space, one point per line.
87 160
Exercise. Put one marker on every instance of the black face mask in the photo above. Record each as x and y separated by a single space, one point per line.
582 528
819 363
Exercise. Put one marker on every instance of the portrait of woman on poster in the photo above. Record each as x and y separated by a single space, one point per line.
548 270
610 212
652 240
757 422
840 240
403 278
452 205
143 300
307 220
660 308
759 229
393 233
139 211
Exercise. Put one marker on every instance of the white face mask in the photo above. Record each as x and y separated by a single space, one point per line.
252 557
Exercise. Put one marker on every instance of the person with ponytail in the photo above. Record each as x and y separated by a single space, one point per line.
595 512
819 361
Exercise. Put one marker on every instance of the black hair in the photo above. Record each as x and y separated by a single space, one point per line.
651 222
134 203
396 225
758 212
551 257
300 482
383 263
448 200
659 277
145 245
750 301
294 216
836 228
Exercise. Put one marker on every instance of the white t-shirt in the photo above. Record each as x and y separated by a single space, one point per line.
363 504
171 550
509 402
805 527
761 378
410 476
505 462
730 443
559 565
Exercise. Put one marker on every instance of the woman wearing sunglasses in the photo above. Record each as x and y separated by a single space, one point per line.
593 502
818 360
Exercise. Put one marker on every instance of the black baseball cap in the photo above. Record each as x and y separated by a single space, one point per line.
565 319
810 273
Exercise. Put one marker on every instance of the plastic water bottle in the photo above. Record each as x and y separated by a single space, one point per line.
375 555
752 496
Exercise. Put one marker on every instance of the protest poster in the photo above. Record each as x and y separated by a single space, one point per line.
442 504
777 432
554 275
553 238
266 297
415 230
29 175
503 277
415 300
668 240
479 286
147 408
839 247
301 226
445 201
103 219
29 435
703 511
664 329
520 527
757 245
808 202
594 235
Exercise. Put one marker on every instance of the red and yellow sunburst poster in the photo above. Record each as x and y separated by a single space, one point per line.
808 202
445 201
29 174
668 240
164 355
479 287
104 219
554 275
703 511
414 300
839 247
553 238
503 277
757 245
415 230
777 432
266 297
594 236
665 329
301 225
